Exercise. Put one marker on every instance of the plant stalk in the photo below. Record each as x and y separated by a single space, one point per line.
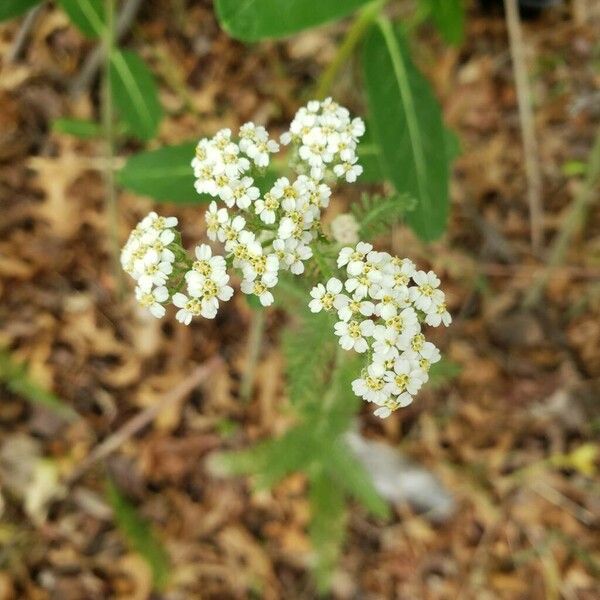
353 36
108 40
255 339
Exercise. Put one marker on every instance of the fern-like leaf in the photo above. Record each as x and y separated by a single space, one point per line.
327 526
376 215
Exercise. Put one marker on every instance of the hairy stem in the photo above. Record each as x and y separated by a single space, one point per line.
353 36
108 40
571 225
255 338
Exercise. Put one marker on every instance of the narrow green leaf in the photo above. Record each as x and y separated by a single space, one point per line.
14 8
252 20
139 535
135 93
80 128
272 460
408 128
327 527
88 16
351 475
164 174
378 214
14 376
449 17
442 372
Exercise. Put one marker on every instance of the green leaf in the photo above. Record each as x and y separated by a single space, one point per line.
252 20
442 372
449 17
15 378
164 174
407 125
327 527
135 94
376 215
14 8
139 535
272 460
89 16
351 475
369 157
80 128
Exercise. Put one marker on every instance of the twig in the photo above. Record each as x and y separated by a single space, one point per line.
353 36
255 337
530 149
112 216
22 36
94 60
571 225
145 417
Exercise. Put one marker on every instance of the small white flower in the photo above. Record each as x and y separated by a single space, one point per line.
152 300
437 315
353 334
230 231
189 308
344 229
392 404
349 170
385 340
371 385
259 289
421 295
324 296
215 220
266 208
351 308
405 377
241 193
348 256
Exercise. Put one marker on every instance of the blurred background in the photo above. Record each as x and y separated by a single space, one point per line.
109 418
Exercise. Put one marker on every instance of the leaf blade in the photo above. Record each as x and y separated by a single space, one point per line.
164 174
252 20
14 8
449 18
411 140
139 535
89 16
135 93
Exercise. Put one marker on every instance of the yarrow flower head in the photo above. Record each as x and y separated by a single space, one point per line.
381 316
257 231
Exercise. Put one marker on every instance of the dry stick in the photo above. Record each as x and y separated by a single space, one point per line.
571 225
145 417
532 167
22 36
94 60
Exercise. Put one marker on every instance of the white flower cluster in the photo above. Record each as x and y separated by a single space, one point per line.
380 306
326 136
263 233
148 256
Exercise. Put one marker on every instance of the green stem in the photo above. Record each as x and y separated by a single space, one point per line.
353 36
255 338
108 39
571 225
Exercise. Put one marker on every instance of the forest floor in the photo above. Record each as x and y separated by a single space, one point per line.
513 434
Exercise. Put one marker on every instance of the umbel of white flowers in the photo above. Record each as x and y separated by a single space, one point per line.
380 313
266 232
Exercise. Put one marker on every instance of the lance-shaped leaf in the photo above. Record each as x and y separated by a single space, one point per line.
14 8
164 174
407 125
252 20
449 17
135 94
88 16
138 533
